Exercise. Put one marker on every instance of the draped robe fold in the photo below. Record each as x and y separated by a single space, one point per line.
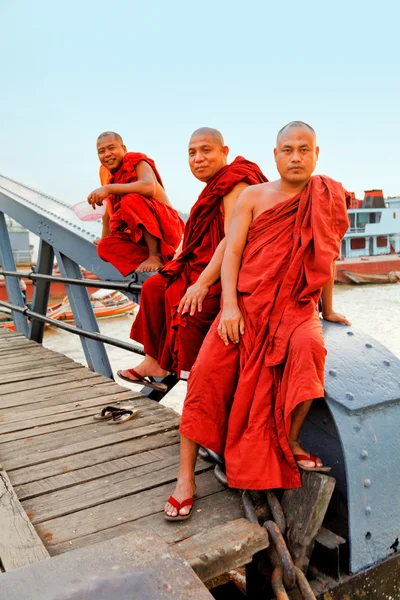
130 214
241 397
168 337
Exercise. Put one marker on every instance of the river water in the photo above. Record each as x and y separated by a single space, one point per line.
372 308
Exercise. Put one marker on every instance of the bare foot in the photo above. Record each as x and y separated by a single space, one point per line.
147 368
97 241
185 488
151 264
297 448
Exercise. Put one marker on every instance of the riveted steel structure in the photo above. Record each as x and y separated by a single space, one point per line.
357 432
64 236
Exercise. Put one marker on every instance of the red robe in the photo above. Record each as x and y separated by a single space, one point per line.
174 341
126 248
240 397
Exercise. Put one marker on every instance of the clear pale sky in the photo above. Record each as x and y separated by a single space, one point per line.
156 70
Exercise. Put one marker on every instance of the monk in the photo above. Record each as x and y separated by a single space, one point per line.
179 304
143 230
262 362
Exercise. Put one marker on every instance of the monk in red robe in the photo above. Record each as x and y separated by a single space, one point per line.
179 304
141 230
262 362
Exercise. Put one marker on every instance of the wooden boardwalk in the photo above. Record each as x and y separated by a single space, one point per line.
82 482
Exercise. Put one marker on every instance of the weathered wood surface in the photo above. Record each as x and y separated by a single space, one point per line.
305 510
19 543
220 549
82 482
138 566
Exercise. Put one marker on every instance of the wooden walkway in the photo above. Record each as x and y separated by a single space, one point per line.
81 482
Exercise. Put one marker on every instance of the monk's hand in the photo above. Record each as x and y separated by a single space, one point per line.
193 299
97 196
335 317
231 325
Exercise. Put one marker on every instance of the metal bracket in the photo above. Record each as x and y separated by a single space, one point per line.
357 433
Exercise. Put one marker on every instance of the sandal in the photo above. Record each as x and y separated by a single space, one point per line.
147 381
107 413
123 415
311 458
178 506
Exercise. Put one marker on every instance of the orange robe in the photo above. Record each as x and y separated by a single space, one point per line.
171 339
105 178
125 247
241 397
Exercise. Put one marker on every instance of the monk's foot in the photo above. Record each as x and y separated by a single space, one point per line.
146 370
185 488
297 449
151 264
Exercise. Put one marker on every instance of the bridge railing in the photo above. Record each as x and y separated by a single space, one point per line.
64 238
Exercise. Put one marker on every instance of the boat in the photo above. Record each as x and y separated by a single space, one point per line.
371 245
360 278
105 304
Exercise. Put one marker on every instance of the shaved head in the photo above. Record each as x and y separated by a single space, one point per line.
116 136
296 125
209 132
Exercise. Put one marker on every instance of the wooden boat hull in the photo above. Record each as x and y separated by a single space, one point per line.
362 278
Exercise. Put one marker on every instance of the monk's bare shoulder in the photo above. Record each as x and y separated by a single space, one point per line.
255 197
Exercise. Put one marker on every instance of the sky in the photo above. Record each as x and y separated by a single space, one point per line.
155 70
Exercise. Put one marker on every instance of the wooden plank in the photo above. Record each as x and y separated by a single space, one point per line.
29 364
19 543
22 346
220 549
103 469
18 458
42 382
305 510
61 422
15 342
29 375
4 332
12 421
209 511
149 413
86 388
139 566
105 489
36 352
110 514
77 462
65 382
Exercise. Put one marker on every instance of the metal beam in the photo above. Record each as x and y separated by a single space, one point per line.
12 285
66 233
42 290
95 352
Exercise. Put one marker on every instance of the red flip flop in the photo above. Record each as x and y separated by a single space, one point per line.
147 381
178 506
311 458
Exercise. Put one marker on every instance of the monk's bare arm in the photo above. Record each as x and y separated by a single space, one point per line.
327 303
195 294
146 185
231 323
105 231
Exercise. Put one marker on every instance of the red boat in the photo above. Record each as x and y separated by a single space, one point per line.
105 304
